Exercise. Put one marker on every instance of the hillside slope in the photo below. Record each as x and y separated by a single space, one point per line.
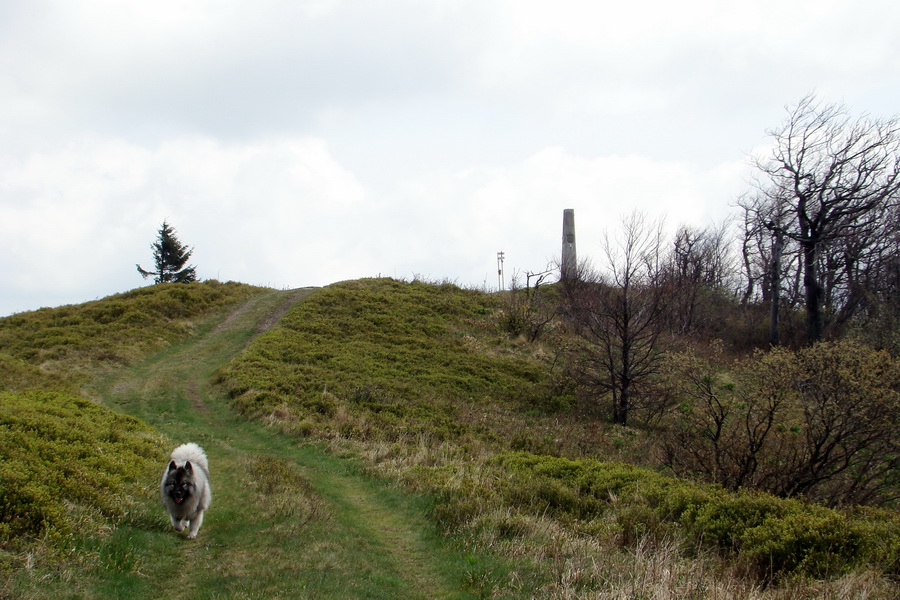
483 486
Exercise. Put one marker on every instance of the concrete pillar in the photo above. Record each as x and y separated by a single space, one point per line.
569 264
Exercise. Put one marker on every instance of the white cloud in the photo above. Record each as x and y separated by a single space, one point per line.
79 217
297 143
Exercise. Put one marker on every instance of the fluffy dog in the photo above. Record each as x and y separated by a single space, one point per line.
185 488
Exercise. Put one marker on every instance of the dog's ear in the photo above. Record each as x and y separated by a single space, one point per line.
172 466
188 468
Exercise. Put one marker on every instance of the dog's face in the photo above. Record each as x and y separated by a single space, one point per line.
179 484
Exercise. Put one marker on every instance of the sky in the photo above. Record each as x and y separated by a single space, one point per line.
303 142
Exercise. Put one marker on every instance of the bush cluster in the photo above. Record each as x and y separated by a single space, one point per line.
777 536
68 463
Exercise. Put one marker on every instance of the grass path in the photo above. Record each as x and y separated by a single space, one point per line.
287 520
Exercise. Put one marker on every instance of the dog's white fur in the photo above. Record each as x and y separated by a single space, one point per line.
190 512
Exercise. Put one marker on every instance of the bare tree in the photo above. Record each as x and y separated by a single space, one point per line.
528 312
873 285
698 266
820 423
618 313
831 178
767 260
726 432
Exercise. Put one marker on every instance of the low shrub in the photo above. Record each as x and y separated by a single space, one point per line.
17 375
817 542
65 457
724 519
774 535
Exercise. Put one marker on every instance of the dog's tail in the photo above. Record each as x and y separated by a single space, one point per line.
190 452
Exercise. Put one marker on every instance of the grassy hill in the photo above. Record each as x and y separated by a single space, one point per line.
424 386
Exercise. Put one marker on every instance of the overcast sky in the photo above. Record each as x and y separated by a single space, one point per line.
296 143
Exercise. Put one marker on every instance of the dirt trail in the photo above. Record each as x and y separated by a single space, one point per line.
289 300
236 548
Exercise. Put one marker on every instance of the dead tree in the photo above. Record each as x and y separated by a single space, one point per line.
618 313
832 177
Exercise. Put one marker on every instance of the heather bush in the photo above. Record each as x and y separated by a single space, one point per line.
68 463
775 536
17 374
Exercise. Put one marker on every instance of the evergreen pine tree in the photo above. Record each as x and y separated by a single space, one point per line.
170 256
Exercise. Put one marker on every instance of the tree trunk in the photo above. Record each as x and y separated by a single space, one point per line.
777 250
813 292
624 399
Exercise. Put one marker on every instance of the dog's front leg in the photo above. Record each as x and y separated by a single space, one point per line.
178 524
196 522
